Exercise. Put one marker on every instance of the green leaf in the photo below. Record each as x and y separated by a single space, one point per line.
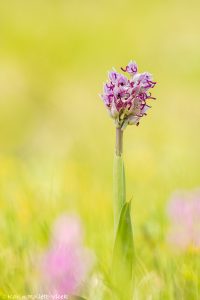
123 254
119 188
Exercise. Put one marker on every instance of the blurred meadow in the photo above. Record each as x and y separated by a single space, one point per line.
57 140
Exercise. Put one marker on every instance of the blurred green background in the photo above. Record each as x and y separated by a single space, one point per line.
57 140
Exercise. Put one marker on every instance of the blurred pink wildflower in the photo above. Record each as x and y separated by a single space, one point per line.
126 98
184 214
66 265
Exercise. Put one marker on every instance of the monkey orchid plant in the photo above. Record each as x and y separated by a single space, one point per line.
126 101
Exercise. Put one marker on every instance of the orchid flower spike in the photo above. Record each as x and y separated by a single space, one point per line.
125 98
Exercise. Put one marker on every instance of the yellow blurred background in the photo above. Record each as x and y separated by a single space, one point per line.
56 138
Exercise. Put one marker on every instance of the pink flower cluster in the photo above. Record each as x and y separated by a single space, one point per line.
184 214
65 266
126 98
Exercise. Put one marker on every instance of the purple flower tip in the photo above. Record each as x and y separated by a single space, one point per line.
131 68
125 98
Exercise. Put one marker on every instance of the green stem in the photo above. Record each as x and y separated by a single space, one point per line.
119 141
118 178
123 251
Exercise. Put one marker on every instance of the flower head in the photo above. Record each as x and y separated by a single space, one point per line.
125 98
66 264
184 214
